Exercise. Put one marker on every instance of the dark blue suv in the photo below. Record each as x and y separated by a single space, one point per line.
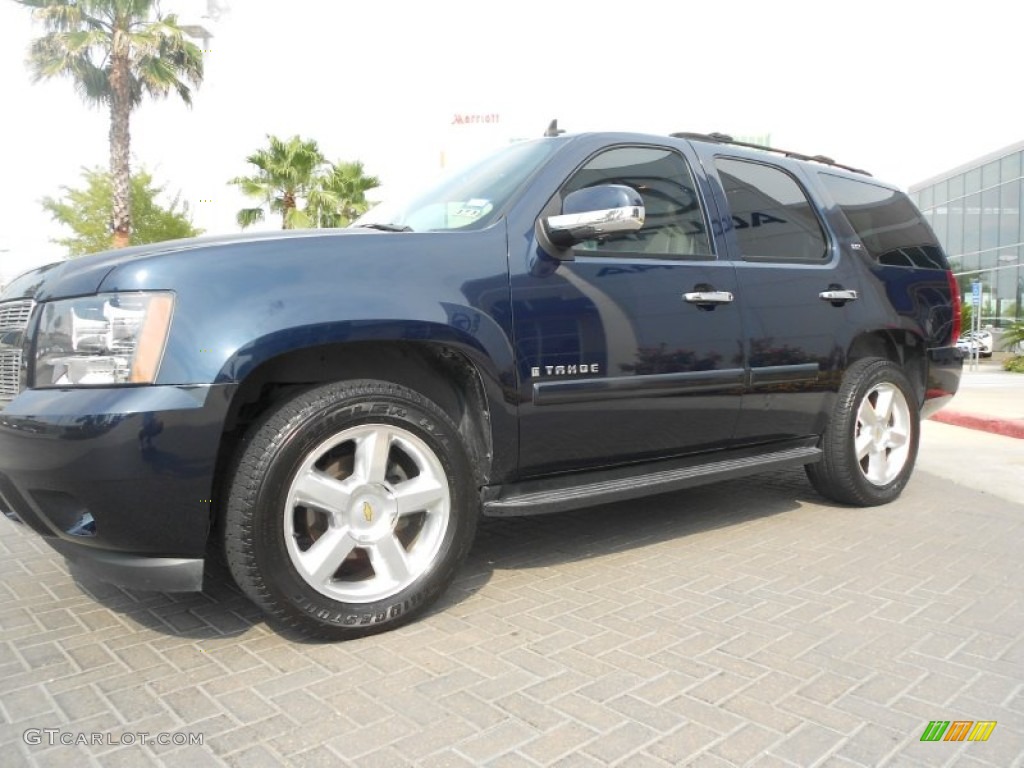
572 321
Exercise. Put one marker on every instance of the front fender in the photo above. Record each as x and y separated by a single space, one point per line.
487 346
239 304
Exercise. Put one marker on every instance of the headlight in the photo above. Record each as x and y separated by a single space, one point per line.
114 338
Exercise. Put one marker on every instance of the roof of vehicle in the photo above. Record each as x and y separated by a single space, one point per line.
722 138
558 134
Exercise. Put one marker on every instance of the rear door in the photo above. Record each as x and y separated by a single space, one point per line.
797 291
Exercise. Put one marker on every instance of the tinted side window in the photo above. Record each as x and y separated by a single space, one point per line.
888 224
771 213
674 224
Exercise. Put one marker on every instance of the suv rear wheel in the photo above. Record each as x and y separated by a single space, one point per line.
351 507
870 444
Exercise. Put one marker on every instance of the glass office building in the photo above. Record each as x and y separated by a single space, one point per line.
976 212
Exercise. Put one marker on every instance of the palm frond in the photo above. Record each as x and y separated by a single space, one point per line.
137 9
1013 336
155 75
80 41
56 15
184 93
298 219
249 216
93 83
252 187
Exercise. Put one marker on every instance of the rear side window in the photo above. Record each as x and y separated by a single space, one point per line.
771 214
887 223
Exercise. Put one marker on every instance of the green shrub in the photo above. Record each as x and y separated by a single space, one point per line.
1014 364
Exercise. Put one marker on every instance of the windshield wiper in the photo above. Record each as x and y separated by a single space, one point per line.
386 227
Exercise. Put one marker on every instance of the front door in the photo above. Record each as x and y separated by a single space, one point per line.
631 350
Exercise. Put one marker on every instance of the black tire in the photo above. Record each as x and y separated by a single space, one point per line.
847 475
312 450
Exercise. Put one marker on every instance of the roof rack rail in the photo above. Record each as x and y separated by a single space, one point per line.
722 138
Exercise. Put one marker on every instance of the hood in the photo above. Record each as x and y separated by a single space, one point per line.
84 275
25 285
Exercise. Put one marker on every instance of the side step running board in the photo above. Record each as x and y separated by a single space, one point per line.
589 489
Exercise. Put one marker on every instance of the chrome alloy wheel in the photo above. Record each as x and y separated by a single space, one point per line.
882 436
366 513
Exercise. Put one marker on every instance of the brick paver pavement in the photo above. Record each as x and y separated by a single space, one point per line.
739 624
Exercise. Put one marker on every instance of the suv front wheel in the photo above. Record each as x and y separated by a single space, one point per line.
351 507
870 444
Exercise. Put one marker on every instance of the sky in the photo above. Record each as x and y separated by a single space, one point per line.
905 89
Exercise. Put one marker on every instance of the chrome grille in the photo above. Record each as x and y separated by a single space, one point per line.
14 314
13 321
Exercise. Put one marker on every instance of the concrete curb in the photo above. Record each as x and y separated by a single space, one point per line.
1007 427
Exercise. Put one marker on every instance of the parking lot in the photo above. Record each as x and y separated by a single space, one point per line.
746 623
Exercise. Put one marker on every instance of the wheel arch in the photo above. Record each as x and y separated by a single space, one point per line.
443 373
902 347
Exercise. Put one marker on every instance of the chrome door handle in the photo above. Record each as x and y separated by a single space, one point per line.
838 297
708 298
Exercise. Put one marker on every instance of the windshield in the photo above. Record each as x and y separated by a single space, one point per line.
470 198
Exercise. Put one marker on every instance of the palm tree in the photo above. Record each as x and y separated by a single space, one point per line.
341 195
116 52
1013 338
288 172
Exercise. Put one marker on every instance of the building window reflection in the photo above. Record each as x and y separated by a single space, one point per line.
975 211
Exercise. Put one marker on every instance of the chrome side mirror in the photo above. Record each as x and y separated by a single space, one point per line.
594 212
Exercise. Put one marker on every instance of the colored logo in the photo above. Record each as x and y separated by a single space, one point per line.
367 512
958 730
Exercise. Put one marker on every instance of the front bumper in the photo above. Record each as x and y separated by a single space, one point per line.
142 572
118 480
945 365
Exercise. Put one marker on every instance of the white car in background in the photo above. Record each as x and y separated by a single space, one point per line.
968 346
983 340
